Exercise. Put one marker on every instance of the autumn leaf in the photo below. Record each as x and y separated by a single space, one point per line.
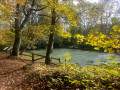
97 48
9 14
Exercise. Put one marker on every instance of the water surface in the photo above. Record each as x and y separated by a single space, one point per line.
81 57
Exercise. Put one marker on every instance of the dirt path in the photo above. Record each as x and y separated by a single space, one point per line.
11 72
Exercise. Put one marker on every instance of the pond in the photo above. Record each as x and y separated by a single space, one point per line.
81 57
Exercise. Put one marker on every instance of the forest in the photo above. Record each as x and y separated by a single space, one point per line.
59 44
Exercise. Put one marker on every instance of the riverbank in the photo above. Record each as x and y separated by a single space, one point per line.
81 57
16 74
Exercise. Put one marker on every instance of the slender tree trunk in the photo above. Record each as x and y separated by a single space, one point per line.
22 51
101 25
16 46
51 39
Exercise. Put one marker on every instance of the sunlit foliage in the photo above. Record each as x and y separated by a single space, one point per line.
6 37
69 75
3 37
8 7
80 38
109 43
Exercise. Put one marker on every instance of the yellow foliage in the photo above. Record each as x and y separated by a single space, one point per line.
5 36
110 43
80 38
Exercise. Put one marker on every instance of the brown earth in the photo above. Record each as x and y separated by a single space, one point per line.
11 72
14 74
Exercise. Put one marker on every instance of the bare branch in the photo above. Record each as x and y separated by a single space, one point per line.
44 15
39 9
27 15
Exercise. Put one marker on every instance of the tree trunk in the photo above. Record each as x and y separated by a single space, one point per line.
16 46
101 25
51 39
17 42
22 51
49 49
19 27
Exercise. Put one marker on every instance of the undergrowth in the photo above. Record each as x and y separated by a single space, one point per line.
70 76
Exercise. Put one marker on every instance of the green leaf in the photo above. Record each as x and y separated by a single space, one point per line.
97 48
110 87
87 43
116 27
115 61
114 20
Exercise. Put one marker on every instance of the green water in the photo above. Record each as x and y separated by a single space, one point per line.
80 57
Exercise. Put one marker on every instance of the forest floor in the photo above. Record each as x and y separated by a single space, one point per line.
22 74
12 72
